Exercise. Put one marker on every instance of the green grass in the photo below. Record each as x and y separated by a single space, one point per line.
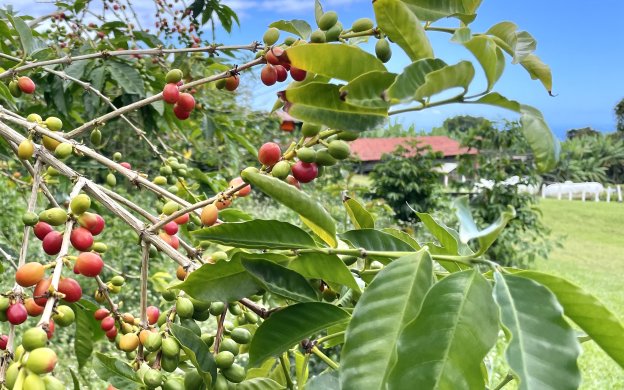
592 256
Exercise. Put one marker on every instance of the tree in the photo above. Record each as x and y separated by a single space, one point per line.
403 310
458 126
619 115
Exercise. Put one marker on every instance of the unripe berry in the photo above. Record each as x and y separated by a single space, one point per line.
25 149
111 180
224 359
362 24
53 123
71 289
34 338
33 382
52 243
209 215
186 102
29 274
63 150
383 50
170 207
174 76
65 316
271 36
26 85
304 172
297 74
281 169
317 36
41 361
16 313
327 20
339 149
309 129
269 153
184 307
181 273
171 93
32 308
80 204
14 88
89 264
55 216
238 181
81 239
268 75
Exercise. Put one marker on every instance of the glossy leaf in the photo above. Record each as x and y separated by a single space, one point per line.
320 232
359 216
517 44
486 51
329 268
391 301
543 349
412 78
127 77
375 240
259 384
294 199
321 103
459 75
329 380
403 27
280 280
538 70
447 237
225 281
288 326
25 34
257 234
116 372
468 229
197 351
343 62
234 215
296 26
432 10
401 235
368 89
87 331
444 346
586 311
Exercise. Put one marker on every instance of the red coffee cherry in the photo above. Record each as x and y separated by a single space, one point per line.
304 172
269 153
89 264
173 241
42 229
186 102
232 82
16 313
171 94
182 219
293 182
32 308
101 313
81 239
282 73
92 222
152 314
180 113
268 75
244 191
40 292
297 74
4 339
107 324
26 85
126 165
171 228
52 243
274 56
71 289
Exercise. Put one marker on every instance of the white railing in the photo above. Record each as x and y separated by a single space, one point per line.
584 191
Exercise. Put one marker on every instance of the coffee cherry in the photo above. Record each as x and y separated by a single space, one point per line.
293 182
347 135
4 339
50 144
224 359
26 85
333 34
383 50
92 222
81 239
25 149
89 264
327 20
14 89
34 338
53 123
304 172
289 41
153 378
16 313
117 156
223 203
29 274
306 155
281 169
217 308
232 82
52 242
100 314
41 229
181 273
234 373
209 215
317 36
35 118
275 55
32 308
282 73
180 113
186 102
30 219
182 219
268 75
269 153
297 74
184 307
171 228
80 204
323 158
174 76
51 383
41 361
111 180
173 241
65 316
63 150
171 93
152 314
71 289
118 280
126 165
33 382
339 149
170 347
237 182
96 137
40 292
107 324
55 216
241 335
129 342
170 207
271 36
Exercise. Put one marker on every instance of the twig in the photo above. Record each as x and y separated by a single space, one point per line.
143 298
505 380
219 334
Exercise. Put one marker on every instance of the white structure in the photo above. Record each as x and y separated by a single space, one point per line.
586 190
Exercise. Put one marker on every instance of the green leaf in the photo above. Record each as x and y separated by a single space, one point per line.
301 368
359 216
329 268
296 26
447 237
368 89
538 70
401 235
329 380
6 94
225 281
403 27
288 326
543 349
234 215
375 240
459 75
259 384
84 334
75 380
432 10
197 351
586 311
468 229
116 372
392 300
318 10
127 77
280 280
25 34
342 62
516 44
257 234
444 346
486 51
412 78
296 200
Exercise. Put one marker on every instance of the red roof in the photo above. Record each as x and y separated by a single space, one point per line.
371 149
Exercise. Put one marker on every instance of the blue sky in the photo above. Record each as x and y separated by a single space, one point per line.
582 43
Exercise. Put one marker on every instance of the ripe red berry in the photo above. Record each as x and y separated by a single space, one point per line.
171 94
42 229
182 219
297 74
268 75
282 73
89 264
269 153
32 308
111 333
126 165
152 314
304 172
52 243
107 324
173 241
81 239
186 102
101 313
92 222
232 82
16 313
293 182
71 288
274 56
4 339
171 228
26 85
40 292
50 330
237 181
180 113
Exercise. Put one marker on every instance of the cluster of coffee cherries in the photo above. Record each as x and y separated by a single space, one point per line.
62 150
277 66
23 84
183 103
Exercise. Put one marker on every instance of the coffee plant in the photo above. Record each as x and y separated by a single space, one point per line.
263 304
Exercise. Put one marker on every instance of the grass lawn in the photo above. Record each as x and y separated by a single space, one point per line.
592 256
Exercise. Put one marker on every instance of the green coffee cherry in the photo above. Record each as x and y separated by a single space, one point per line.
251 317
152 378
169 363
53 123
234 373
289 41
347 135
229 345
339 149
170 347
34 338
118 280
281 170
14 89
241 335
323 158
362 24
271 36
333 34
96 137
117 156
192 380
153 342
160 180
207 339
317 36
166 170
184 307
310 129
30 218
111 180
170 207
234 308
327 20
174 76
224 359
383 50
65 316
306 155
217 308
